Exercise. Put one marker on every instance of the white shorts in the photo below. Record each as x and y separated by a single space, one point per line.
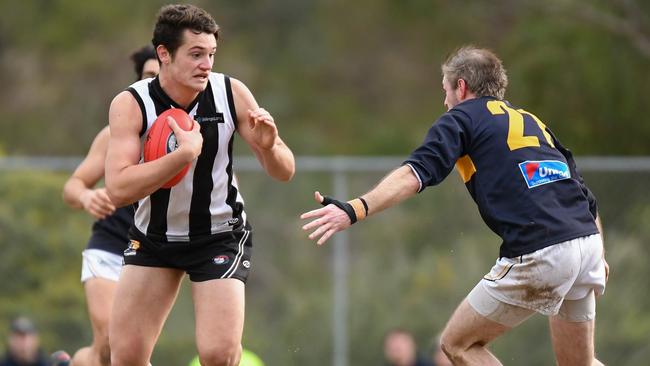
99 263
542 280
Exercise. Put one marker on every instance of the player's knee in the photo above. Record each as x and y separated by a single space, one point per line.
452 347
446 350
447 346
221 355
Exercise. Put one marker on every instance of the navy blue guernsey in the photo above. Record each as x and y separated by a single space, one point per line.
111 233
524 182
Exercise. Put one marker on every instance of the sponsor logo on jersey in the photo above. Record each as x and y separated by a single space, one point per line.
537 173
233 221
221 259
134 245
218 118
246 264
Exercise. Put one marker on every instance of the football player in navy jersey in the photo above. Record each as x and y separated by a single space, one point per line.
527 190
102 259
198 227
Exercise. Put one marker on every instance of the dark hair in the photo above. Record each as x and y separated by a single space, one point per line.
141 56
480 68
173 20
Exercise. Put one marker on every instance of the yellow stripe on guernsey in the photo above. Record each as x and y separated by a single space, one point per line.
466 168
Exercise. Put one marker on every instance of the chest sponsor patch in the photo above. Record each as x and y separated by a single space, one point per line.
217 118
537 173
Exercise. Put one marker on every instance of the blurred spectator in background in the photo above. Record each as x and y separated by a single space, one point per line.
437 356
23 345
400 349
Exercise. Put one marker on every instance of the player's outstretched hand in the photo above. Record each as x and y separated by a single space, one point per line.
328 220
265 132
97 203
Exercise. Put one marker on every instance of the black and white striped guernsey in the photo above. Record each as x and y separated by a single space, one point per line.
207 200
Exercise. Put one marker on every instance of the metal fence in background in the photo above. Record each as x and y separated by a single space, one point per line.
338 169
330 164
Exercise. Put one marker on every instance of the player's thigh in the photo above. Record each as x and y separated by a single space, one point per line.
219 312
144 297
467 327
573 342
572 331
100 293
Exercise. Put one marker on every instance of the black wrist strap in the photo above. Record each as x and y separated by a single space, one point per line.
346 207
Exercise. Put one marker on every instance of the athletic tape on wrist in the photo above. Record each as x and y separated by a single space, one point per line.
365 204
359 208
346 207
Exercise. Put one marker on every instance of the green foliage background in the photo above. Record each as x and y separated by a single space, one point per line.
408 267
341 78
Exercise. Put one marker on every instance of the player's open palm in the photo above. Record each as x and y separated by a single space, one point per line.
263 128
97 203
191 141
328 220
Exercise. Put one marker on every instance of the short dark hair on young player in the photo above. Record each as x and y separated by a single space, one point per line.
173 20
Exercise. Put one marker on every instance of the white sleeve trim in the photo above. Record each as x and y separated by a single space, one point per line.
416 175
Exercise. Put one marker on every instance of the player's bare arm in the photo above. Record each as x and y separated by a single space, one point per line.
78 191
258 129
128 181
396 187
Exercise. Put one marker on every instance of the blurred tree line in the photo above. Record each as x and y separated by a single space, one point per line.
340 77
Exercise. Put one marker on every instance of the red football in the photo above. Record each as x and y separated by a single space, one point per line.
162 141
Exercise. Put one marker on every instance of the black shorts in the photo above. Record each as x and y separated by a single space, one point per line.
222 255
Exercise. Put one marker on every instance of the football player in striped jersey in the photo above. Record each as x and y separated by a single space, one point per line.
199 226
